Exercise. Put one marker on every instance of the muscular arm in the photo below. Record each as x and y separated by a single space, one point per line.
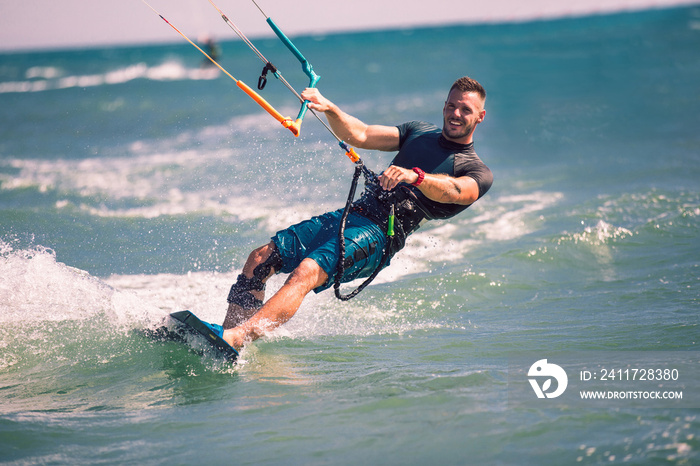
462 190
440 188
350 129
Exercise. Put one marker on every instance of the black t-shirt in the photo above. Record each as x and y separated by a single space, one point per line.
422 145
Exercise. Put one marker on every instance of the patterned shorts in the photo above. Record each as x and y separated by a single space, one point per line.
317 239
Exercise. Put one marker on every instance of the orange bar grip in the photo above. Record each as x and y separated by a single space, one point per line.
286 122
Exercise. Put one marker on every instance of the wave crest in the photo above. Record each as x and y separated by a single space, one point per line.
46 78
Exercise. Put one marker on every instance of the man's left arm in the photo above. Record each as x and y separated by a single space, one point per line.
446 189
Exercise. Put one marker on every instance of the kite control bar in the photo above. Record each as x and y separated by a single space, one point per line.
293 125
286 121
305 65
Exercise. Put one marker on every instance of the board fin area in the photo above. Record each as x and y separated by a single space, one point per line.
212 333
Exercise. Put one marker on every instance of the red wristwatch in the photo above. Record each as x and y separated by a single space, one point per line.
421 176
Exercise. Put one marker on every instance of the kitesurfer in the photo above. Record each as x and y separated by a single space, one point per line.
436 174
212 50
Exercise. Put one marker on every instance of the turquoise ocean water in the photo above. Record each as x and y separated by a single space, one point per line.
133 183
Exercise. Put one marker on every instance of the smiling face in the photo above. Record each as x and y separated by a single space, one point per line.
462 112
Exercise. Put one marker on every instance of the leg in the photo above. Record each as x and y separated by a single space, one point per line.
248 292
281 306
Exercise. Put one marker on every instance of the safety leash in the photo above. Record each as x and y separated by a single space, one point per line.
370 178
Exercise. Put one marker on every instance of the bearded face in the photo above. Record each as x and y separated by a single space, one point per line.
462 112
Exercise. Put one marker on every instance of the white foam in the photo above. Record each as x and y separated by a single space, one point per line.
43 72
511 217
204 293
117 177
37 288
152 183
503 218
600 234
45 78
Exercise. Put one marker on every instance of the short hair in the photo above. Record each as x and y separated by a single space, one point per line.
467 84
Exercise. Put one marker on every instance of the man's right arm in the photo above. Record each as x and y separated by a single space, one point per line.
349 128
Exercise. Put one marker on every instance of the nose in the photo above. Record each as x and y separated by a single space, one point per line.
454 111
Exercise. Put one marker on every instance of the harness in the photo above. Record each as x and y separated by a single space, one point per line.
400 203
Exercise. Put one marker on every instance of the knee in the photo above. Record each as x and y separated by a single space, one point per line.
263 262
261 254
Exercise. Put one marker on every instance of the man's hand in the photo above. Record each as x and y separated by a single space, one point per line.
316 101
394 175
437 187
350 129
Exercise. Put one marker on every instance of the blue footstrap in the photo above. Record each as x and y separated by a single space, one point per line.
217 329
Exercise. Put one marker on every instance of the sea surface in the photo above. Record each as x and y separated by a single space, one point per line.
134 182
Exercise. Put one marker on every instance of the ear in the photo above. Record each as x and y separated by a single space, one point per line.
482 116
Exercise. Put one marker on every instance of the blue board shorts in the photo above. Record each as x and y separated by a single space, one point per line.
317 239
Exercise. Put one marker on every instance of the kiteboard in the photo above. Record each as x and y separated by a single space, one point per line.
211 333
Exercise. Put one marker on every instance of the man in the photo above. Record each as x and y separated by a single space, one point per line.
436 174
